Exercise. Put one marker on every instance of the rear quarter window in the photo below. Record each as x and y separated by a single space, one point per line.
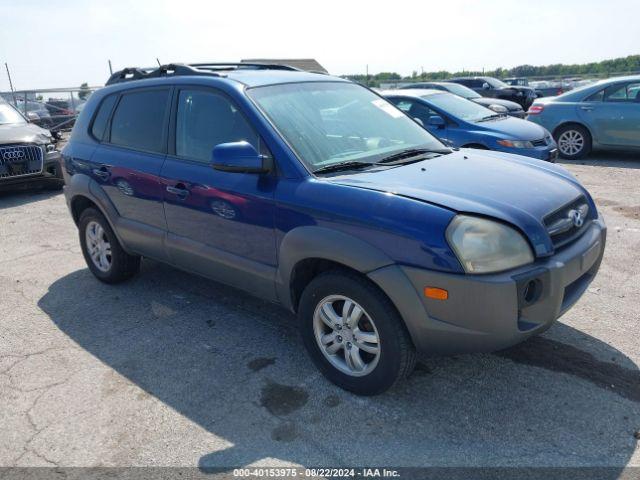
102 117
139 119
595 97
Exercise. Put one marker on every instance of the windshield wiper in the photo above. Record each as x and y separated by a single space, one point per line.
491 117
337 167
409 155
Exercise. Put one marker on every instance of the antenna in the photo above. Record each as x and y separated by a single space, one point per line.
158 60
13 93
110 69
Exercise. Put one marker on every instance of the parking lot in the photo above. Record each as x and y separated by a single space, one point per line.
173 369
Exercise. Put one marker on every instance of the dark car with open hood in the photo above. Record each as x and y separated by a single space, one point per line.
28 156
494 88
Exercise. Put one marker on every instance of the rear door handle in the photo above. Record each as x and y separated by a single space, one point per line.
101 172
179 190
587 109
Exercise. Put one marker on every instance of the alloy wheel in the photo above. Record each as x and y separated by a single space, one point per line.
346 335
98 246
571 142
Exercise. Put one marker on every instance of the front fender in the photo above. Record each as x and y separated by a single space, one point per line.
308 242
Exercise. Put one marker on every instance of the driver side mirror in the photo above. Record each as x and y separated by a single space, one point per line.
239 157
486 86
436 121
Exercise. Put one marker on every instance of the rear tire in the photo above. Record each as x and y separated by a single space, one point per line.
365 349
574 141
102 251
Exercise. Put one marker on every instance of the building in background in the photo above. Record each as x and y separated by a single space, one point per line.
308 64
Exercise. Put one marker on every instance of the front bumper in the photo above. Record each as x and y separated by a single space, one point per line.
548 153
489 312
51 175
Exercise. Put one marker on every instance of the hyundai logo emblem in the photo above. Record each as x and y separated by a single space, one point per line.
13 155
576 217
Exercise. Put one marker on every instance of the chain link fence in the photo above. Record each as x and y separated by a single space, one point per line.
55 109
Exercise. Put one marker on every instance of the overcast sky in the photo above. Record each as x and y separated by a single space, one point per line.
64 43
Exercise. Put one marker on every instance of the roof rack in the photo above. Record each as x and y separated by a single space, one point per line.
243 65
180 69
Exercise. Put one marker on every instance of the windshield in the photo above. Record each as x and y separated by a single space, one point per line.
459 107
8 114
462 91
329 122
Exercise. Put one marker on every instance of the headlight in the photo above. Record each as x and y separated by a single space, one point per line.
50 147
515 143
485 246
498 108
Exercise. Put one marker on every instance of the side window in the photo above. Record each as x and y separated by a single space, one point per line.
596 97
627 92
102 116
475 83
422 112
403 105
138 121
206 119
415 110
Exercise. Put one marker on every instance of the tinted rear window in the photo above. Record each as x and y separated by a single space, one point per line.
138 121
101 118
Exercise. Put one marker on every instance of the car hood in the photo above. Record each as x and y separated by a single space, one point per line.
508 104
23 133
511 188
514 127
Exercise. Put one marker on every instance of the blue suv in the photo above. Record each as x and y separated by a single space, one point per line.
317 193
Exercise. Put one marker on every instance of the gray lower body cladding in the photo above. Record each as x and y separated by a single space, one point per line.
489 312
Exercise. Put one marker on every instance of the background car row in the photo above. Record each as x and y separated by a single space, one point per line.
600 115
604 115
463 123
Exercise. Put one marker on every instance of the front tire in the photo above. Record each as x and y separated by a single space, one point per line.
574 141
102 251
353 333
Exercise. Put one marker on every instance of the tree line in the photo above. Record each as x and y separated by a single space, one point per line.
606 67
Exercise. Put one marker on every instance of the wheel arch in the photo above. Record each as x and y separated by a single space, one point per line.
79 203
567 123
83 193
308 251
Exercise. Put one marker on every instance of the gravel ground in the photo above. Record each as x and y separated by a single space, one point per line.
174 370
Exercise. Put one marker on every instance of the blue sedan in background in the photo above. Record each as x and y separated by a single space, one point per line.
603 115
462 123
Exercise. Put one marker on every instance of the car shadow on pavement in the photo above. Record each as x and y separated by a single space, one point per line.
609 159
234 365
10 199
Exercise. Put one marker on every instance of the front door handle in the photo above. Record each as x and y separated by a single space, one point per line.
179 191
101 172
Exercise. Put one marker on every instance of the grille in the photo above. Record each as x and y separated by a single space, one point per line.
569 222
20 160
